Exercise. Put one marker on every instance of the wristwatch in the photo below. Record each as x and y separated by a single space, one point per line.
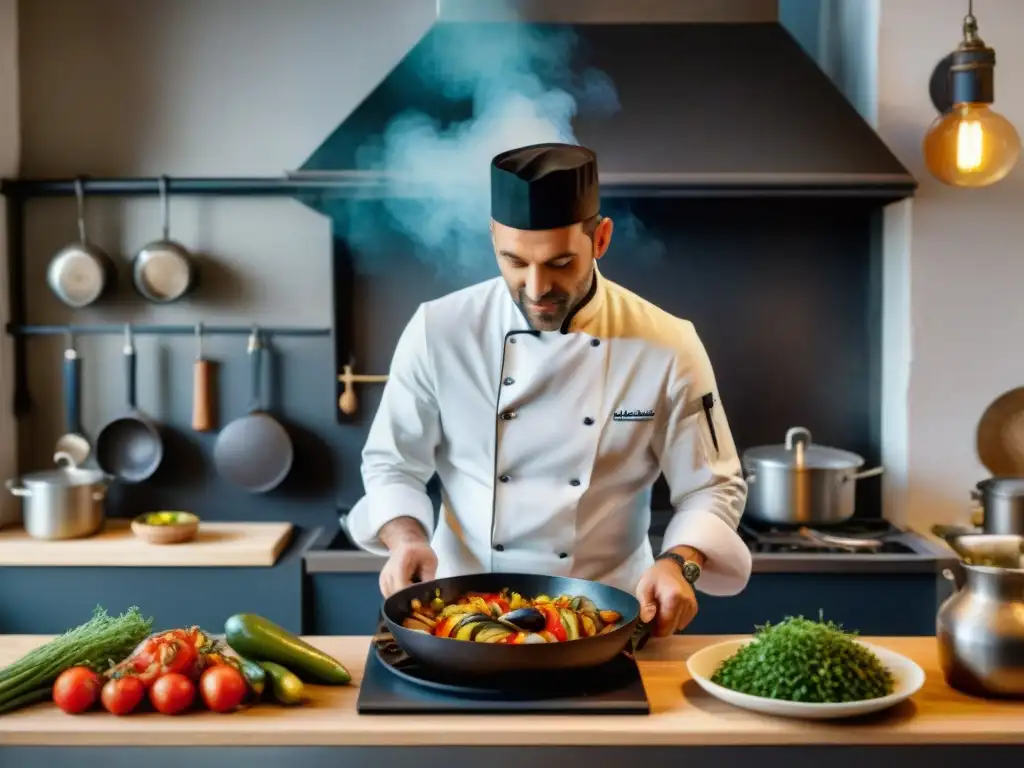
690 569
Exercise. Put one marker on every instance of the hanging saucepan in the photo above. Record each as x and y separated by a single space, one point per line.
800 483
164 271
130 448
81 272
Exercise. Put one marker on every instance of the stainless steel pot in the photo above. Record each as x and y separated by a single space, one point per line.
1002 502
980 628
63 503
799 483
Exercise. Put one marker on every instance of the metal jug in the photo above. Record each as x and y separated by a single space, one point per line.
980 628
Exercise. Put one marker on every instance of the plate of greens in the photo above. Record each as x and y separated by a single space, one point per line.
805 669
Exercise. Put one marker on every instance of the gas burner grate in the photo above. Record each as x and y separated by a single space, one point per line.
865 536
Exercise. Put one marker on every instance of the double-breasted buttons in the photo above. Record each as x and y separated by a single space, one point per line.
512 340
563 555
595 342
509 381
588 421
574 482
508 415
504 478
499 548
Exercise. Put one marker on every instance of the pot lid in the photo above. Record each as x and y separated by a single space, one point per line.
64 476
800 452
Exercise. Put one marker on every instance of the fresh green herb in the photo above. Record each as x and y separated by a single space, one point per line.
808 661
97 643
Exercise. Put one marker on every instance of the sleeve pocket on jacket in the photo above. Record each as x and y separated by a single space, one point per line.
703 409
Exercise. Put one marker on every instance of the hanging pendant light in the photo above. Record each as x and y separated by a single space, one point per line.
969 145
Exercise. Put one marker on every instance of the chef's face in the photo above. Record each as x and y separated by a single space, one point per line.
548 272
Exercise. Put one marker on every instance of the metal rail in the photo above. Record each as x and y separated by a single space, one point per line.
162 330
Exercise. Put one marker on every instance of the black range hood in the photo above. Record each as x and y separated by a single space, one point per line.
705 110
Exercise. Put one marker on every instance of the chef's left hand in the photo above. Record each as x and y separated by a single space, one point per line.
665 594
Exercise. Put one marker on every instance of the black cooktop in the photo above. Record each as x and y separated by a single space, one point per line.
394 684
868 535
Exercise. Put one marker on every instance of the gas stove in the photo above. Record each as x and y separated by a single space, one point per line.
873 536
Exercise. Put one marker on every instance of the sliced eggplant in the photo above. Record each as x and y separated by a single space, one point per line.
528 619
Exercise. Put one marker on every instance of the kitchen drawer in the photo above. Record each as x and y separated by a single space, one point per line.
869 603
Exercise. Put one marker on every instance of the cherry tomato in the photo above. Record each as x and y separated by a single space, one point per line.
223 688
76 690
172 693
122 695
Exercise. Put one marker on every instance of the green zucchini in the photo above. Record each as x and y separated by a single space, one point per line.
255 637
285 684
254 675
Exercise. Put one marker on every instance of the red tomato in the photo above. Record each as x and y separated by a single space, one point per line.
223 688
76 690
554 623
122 695
172 693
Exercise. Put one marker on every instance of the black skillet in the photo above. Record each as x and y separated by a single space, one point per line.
467 657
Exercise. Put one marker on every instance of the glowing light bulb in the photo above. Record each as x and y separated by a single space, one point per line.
971 146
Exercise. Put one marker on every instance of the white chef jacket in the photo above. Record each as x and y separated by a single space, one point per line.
547 444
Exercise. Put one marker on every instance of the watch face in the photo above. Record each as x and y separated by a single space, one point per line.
691 572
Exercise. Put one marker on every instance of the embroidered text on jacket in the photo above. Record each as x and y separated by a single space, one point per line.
622 415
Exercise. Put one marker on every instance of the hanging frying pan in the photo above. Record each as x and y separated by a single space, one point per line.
81 272
72 447
254 451
130 448
163 271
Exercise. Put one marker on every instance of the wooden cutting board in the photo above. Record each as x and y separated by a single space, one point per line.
217 545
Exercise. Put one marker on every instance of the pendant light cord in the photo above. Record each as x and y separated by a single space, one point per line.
970 26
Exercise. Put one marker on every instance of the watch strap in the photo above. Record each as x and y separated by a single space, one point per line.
690 569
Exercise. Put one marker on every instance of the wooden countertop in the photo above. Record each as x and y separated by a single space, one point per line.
219 545
682 714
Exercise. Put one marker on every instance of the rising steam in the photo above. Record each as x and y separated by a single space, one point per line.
519 80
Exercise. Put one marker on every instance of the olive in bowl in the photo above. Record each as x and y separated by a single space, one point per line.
166 527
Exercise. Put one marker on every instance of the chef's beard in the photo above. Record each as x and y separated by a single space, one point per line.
544 321
564 304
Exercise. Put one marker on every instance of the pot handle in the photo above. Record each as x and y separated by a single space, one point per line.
867 473
975 494
948 575
15 488
797 435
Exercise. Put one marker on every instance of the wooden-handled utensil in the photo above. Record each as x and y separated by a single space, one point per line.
348 402
203 418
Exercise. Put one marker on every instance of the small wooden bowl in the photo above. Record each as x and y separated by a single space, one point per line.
166 527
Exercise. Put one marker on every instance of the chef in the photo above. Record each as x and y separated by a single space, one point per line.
548 401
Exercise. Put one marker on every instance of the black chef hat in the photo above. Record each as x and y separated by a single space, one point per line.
544 186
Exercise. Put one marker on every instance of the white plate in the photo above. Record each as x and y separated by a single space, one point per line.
908 678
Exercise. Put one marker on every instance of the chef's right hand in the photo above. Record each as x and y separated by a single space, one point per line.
408 563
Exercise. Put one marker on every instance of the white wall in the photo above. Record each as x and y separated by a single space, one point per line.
962 341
